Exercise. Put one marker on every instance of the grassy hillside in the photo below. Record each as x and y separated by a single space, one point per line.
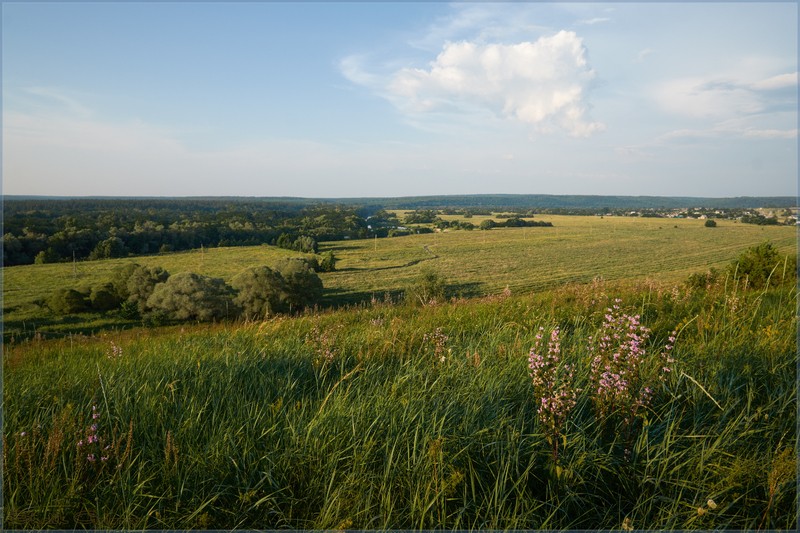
412 417
475 263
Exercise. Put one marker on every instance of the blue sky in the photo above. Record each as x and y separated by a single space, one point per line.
396 99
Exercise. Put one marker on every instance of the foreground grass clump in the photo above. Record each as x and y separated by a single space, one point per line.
407 417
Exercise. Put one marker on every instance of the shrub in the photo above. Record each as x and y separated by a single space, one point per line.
120 277
703 280
762 264
104 297
46 256
142 283
67 301
305 244
487 224
129 310
711 223
304 287
429 288
261 292
187 295
328 263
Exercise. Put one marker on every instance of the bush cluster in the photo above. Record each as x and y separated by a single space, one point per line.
150 293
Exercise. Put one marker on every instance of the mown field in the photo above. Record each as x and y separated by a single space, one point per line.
389 415
475 263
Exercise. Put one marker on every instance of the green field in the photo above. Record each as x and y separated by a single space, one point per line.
390 415
475 263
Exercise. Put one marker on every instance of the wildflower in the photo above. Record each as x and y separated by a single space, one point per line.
22 434
91 458
711 504
552 383
626 524
439 341
701 511
80 443
618 364
104 458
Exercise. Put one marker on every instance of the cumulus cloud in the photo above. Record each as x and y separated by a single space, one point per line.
542 83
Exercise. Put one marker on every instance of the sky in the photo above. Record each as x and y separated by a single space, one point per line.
373 99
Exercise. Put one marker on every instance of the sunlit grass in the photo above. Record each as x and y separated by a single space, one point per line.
228 426
474 263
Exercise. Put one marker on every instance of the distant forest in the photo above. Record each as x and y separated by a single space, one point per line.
51 229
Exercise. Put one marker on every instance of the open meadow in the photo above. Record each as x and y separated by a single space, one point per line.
601 391
474 263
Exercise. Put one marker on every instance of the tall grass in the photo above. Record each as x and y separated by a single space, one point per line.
250 427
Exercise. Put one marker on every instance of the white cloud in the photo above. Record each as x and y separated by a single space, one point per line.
781 81
707 98
542 83
593 21
351 68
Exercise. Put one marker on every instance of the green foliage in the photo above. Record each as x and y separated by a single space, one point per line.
190 296
129 310
109 248
46 256
429 287
328 262
104 297
303 243
304 285
260 292
67 301
119 279
761 265
306 244
703 280
487 224
141 284
710 223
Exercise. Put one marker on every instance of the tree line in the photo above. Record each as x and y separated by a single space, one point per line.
48 231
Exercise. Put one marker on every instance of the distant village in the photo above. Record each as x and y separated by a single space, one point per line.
760 216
